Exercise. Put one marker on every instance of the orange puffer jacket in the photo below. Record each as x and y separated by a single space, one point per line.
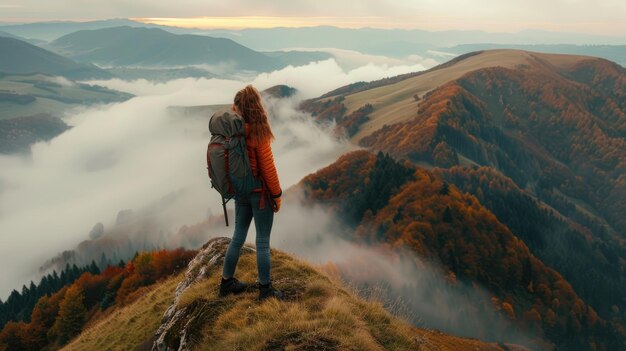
262 164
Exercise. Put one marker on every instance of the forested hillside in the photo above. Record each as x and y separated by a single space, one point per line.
397 203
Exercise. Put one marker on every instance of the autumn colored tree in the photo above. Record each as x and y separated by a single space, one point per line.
508 310
42 319
19 305
12 336
72 315
444 155
58 317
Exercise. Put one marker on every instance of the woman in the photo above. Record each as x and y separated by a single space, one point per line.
260 204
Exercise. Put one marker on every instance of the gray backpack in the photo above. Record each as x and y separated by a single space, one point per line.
227 157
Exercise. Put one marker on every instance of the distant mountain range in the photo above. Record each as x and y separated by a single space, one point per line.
49 31
372 39
20 57
396 43
433 44
322 36
153 47
127 46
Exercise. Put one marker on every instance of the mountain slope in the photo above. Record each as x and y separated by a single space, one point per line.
439 222
555 122
127 46
129 326
21 57
319 314
9 35
551 125
30 41
396 102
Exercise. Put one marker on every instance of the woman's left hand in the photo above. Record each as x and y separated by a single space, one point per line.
276 204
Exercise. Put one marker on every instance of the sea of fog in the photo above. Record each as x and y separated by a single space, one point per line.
129 155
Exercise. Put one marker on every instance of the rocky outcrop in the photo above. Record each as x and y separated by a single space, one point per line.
179 324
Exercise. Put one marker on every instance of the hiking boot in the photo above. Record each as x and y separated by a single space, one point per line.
232 286
266 291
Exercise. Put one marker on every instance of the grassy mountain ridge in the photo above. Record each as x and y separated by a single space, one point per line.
126 328
398 102
319 314
616 53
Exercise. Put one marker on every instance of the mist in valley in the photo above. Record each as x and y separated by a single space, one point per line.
140 156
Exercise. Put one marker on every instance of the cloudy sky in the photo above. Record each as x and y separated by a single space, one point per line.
605 17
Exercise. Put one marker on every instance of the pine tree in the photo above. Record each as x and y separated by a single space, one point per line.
445 189
56 280
447 215
103 261
93 268
75 272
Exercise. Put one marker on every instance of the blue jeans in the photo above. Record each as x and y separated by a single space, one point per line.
246 208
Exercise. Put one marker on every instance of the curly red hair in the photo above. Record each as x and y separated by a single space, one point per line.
248 101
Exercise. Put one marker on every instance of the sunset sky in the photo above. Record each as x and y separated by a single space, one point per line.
606 17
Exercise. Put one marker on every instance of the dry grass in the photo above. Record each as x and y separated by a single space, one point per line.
318 314
394 103
127 327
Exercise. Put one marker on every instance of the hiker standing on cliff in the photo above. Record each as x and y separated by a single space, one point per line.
259 204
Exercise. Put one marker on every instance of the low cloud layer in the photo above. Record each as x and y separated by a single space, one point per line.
133 154
311 80
360 62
